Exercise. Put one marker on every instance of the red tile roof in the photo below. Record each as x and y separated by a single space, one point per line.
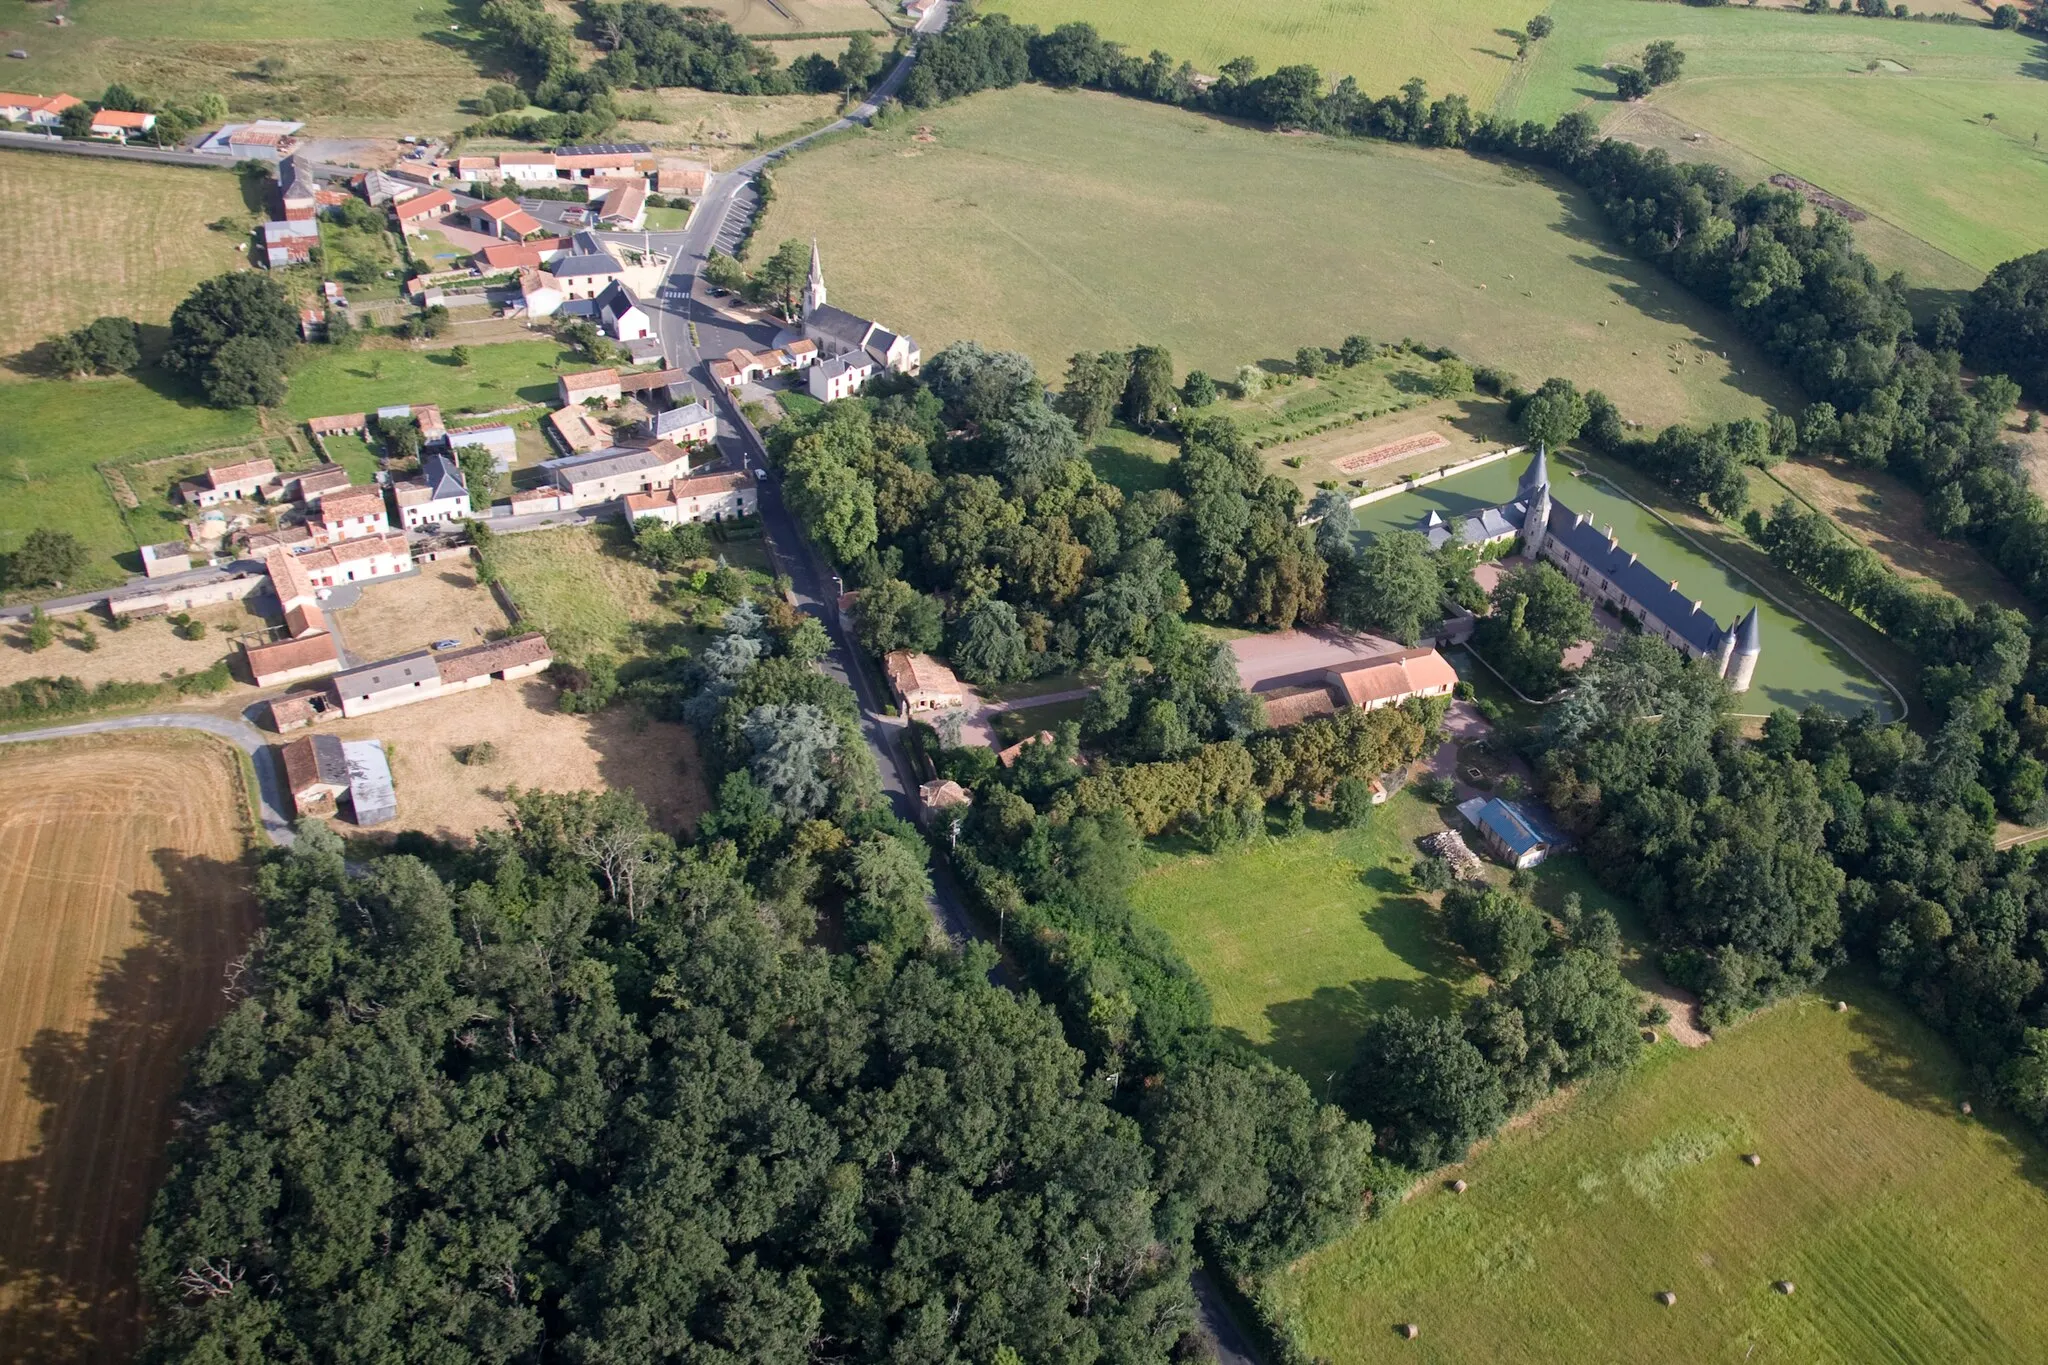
431 202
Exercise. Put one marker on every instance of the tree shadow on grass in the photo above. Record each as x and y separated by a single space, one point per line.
72 1210
1317 1036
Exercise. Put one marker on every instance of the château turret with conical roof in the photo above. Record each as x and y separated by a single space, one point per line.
1535 491
1749 646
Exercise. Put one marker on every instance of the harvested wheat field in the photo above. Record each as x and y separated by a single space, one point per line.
122 897
533 745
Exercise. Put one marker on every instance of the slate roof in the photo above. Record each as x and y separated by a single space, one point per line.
390 675
586 264
1487 524
1634 579
671 420
442 476
615 302
605 149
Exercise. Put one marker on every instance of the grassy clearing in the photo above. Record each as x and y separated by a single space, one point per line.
1078 220
1800 666
128 240
122 898
1908 1230
1300 940
1915 149
1880 512
1458 45
576 585
356 65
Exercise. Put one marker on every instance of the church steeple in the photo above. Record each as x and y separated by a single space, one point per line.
814 288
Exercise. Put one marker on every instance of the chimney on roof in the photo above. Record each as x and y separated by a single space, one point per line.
1674 585
1631 559
1612 539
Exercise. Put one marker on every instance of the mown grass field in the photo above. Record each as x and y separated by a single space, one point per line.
1800 666
122 897
54 432
1910 1233
1906 142
125 240
1456 45
1300 940
1072 220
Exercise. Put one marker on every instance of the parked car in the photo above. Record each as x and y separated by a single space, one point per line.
446 644
760 475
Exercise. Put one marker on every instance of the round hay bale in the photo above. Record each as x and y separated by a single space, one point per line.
1649 1035
1408 1331
1667 1298
1784 1286
1841 1007
1457 1187
1752 1159
1967 1109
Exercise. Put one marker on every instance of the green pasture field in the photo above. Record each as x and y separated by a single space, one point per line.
1800 666
1909 1232
1300 940
1456 45
54 432
1912 147
355 65
110 238
1075 220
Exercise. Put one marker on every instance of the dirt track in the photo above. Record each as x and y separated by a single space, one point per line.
121 898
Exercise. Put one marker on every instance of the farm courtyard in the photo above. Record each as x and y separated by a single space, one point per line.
122 898
1908 1231
1075 220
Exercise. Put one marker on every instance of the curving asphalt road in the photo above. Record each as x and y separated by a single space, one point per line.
241 734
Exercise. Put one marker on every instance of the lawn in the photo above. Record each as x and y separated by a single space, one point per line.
1457 45
1300 940
128 240
354 65
1800 666
1770 84
1910 1232
1076 220
575 585
54 432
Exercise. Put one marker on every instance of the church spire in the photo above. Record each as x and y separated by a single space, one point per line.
814 288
